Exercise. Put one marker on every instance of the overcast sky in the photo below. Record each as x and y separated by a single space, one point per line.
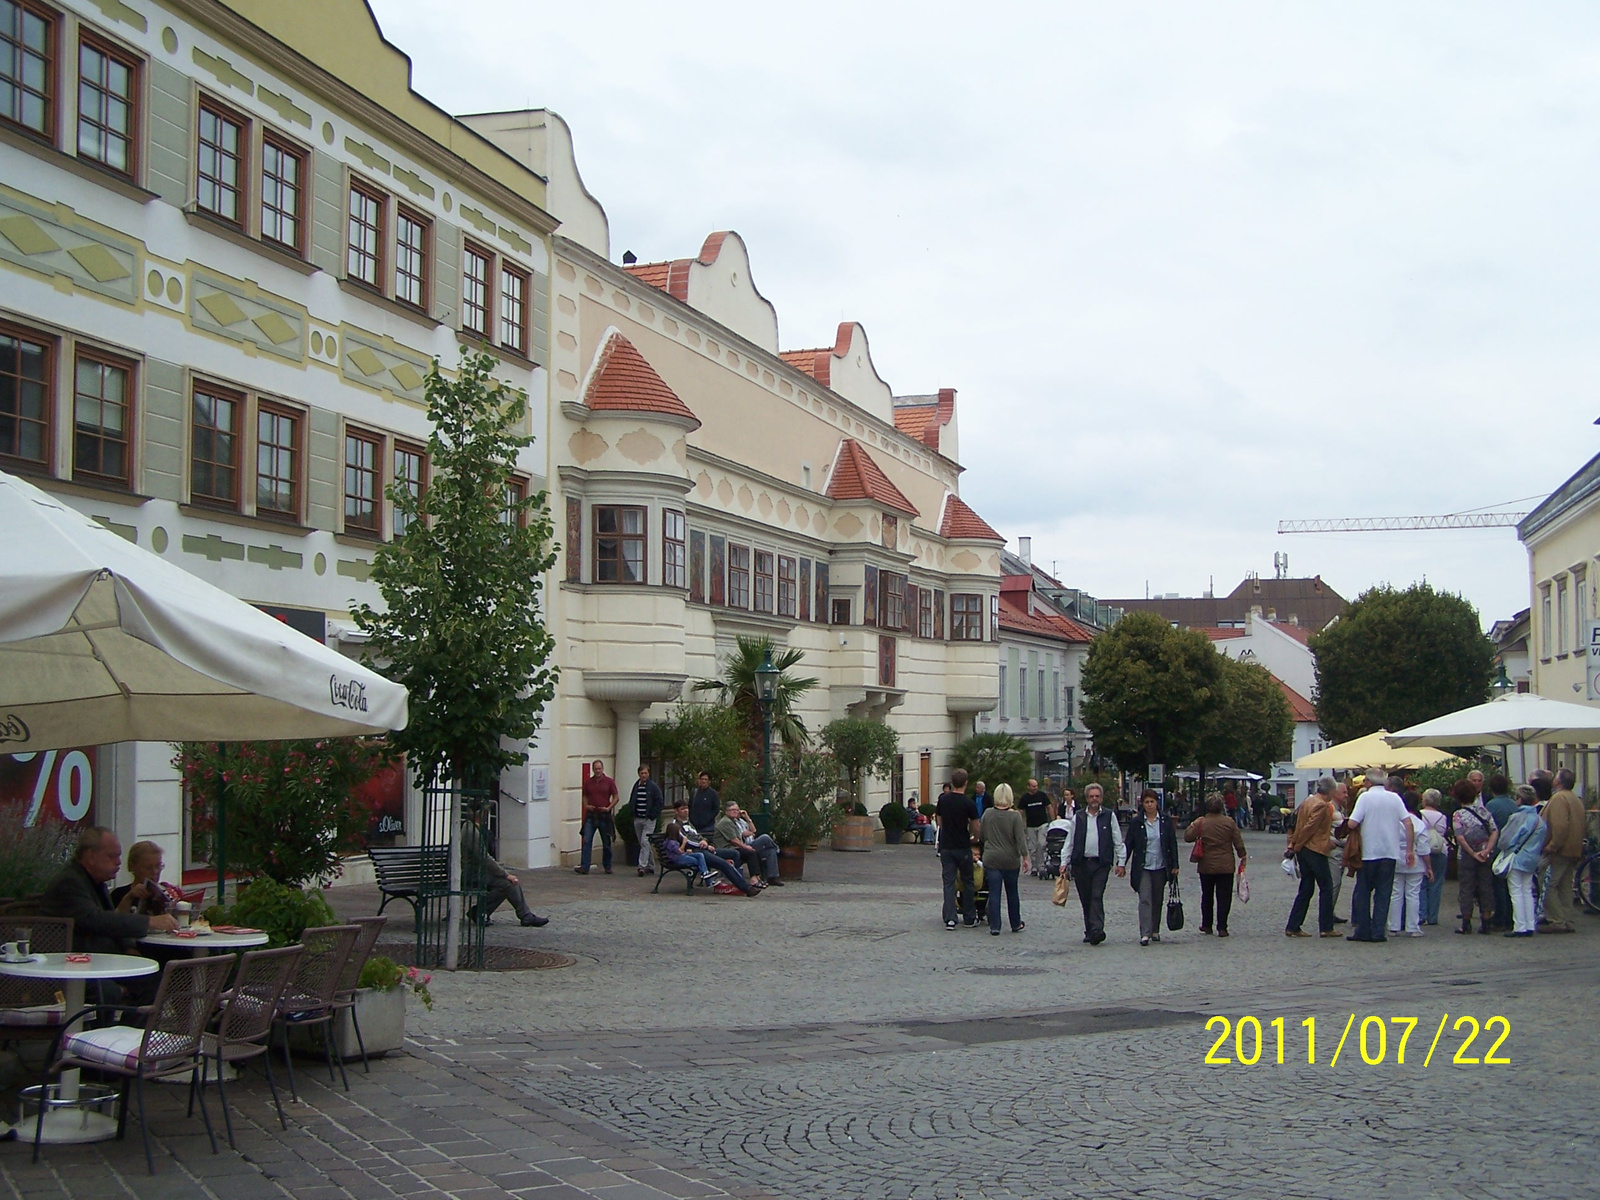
1192 267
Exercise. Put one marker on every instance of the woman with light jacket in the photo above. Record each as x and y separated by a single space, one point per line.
1005 856
1523 838
1219 838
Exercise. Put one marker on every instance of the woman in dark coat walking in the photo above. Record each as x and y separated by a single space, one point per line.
1152 857
1219 838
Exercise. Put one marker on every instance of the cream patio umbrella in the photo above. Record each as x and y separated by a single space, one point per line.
1516 717
102 642
1371 751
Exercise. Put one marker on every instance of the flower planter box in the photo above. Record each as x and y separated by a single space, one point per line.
383 1027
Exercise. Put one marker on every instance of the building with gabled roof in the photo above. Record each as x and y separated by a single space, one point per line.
712 486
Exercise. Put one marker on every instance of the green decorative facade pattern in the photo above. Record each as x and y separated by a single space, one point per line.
52 242
222 306
382 364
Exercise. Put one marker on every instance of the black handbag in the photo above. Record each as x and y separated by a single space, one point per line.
1174 905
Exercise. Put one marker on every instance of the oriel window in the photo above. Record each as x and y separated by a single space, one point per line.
763 581
618 544
674 552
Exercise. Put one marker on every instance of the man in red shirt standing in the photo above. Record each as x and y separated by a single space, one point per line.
599 809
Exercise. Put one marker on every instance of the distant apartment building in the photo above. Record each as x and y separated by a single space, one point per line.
1309 603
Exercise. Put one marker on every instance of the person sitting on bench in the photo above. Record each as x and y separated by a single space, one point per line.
736 838
677 851
500 884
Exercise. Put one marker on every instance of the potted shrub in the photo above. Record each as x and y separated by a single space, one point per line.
895 819
381 1008
862 749
802 782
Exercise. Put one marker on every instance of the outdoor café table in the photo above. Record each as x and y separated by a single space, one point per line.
201 944
83 1125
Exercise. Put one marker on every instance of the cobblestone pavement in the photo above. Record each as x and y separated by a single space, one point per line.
832 1040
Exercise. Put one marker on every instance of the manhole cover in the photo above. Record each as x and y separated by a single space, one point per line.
495 958
1008 971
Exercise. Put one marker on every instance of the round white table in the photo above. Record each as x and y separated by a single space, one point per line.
60 1124
206 943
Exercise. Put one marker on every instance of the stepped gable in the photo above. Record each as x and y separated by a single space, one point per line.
855 476
622 381
672 275
959 521
922 417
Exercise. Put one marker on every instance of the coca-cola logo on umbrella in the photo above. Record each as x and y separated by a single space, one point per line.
13 729
348 693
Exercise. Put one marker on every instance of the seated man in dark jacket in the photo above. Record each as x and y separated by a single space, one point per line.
79 892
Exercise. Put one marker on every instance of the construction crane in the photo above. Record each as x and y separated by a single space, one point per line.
1470 520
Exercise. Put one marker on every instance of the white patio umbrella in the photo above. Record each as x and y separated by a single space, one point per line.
1516 717
101 642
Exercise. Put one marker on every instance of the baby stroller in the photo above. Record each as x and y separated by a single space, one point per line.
1055 841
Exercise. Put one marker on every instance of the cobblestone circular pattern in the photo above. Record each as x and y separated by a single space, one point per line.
495 958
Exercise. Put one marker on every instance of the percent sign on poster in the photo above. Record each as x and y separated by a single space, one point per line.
56 785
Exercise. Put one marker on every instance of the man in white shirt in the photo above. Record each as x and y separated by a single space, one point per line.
1096 850
1380 816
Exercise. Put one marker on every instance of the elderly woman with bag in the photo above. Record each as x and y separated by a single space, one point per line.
1152 859
1521 845
1216 839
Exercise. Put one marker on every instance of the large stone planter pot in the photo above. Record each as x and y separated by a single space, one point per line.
853 834
791 863
383 1027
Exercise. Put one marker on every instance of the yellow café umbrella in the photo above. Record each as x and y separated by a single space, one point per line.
1371 751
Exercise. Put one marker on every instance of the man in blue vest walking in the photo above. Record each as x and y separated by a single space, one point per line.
1097 851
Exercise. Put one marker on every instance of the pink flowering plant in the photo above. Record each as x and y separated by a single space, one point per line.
385 975
292 807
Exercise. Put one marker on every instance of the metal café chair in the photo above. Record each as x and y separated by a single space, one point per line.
350 978
171 1039
245 1014
308 999
28 1007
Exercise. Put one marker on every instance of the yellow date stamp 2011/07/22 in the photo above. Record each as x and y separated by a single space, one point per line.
1246 1041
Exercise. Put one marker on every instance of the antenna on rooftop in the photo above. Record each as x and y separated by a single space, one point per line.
1280 564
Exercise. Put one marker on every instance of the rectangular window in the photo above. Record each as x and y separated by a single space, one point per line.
886 661
718 577
805 589
966 618
938 614
475 297
674 550
108 90
1070 697
1039 712
925 612
738 576
101 395
820 611
869 595
516 491
410 475
697 566
787 587
994 618
26 372
364 257
27 66
411 259
1561 616
841 611
214 446
362 485
219 164
277 461
618 544
1545 637
1580 610
574 545
514 309
283 189
891 600
1055 695
1002 713
763 581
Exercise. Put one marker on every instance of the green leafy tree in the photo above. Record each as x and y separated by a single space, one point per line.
737 688
700 737
995 758
1149 691
1397 658
293 810
1253 727
805 785
862 748
462 628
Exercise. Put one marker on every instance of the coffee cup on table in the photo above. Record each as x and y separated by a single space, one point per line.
15 951
181 910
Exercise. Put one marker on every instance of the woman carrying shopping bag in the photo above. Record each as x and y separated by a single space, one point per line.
1217 839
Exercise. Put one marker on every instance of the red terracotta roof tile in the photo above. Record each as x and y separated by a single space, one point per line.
922 417
624 382
815 363
1299 633
1016 617
655 274
959 521
856 477
1217 633
1302 708
672 275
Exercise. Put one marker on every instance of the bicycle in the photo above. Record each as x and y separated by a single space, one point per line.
1586 880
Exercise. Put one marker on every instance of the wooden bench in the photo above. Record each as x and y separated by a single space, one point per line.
400 872
691 875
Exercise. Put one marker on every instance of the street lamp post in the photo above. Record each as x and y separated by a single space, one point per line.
1501 684
766 693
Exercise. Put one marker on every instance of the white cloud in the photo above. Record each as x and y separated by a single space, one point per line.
1192 267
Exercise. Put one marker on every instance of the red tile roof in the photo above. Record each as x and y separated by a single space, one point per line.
924 420
856 477
1302 708
959 521
624 382
1216 634
815 363
1298 632
1016 617
672 275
